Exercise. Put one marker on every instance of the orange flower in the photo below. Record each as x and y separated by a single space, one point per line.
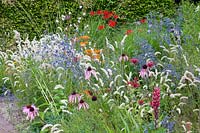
94 54
84 37
88 93
97 51
97 56
88 52
83 44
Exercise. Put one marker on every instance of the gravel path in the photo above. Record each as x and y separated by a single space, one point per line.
5 126
9 115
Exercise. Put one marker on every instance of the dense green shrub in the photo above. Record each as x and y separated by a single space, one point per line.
135 9
34 17
38 17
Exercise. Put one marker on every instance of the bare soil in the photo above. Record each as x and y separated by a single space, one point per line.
10 115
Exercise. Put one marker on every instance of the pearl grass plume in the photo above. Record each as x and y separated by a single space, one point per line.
31 111
155 103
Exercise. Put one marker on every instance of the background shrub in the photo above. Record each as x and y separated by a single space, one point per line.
33 18
38 17
134 9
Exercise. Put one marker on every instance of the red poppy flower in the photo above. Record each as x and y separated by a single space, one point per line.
128 32
115 16
105 12
112 23
92 13
99 12
107 16
101 27
142 21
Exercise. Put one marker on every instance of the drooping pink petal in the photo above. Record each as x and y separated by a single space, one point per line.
87 74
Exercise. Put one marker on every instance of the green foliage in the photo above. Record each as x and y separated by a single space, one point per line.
34 18
38 17
136 9
111 112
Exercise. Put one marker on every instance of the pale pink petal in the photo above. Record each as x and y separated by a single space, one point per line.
79 106
126 58
25 110
120 58
70 99
78 97
143 73
87 75
94 73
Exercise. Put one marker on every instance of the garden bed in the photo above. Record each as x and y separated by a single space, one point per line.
105 75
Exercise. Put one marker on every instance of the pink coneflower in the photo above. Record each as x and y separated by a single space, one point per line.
155 103
83 104
143 73
134 60
94 98
74 97
31 111
144 67
123 57
150 64
89 72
